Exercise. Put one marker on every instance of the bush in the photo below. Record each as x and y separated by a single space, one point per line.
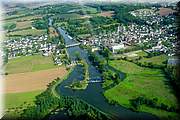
151 103
40 24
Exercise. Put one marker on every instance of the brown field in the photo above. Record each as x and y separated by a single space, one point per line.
30 81
165 11
107 14
24 24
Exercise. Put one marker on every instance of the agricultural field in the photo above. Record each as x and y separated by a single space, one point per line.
8 17
9 26
138 53
23 24
142 53
21 28
18 99
26 32
165 11
141 88
141 81
89 10
23 18
106 13
31 81
157 60
70 16
132 55
31 74
85 16
29 64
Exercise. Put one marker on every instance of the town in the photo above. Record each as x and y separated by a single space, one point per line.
161 38
90 61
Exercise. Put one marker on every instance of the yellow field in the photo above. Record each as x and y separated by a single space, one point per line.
31 81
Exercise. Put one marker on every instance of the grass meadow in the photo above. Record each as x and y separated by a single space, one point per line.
29 64
141 81
157 60
20 99
16 102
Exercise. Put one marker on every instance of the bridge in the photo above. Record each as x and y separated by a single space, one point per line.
96 80
72 45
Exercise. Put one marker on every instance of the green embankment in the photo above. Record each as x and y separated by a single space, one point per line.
157 60
146 82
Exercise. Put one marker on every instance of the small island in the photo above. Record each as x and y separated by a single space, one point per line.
81 85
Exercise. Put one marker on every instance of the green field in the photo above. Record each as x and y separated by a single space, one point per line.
91 10
29 64
140 81
132 55
9 25
157 60
107 83
70 16
26 32
16 102
22 18
6 17
13 100
142 54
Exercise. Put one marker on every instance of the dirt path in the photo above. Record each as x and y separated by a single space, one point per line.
24 82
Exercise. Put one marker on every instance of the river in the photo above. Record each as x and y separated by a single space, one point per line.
93 94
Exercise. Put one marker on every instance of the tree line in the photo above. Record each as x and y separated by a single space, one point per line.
141 100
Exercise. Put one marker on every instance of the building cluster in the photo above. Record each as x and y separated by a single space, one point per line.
141 13
30 45
155 34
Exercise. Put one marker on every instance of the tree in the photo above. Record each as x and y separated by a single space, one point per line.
77 55
106 53
81 12
40 24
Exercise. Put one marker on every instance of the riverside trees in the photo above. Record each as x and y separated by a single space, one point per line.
75 108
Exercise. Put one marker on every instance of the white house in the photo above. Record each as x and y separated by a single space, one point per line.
117 47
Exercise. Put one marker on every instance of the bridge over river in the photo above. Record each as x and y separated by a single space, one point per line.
96 80
73 45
